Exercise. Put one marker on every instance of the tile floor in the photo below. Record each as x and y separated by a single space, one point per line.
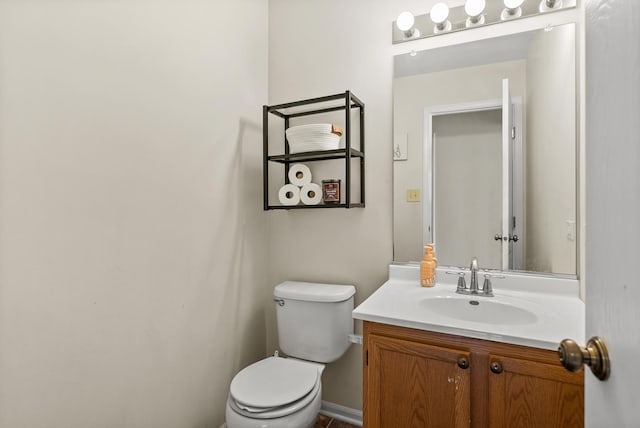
327 422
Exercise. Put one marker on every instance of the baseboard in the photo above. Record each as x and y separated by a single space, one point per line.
342 413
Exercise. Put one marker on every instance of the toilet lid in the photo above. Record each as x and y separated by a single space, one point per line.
273 382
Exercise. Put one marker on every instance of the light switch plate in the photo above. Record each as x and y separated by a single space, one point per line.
413 195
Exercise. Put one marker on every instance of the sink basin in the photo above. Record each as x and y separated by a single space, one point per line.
478 309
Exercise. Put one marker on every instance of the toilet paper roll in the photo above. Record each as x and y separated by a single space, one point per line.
289 195
299 174
311 194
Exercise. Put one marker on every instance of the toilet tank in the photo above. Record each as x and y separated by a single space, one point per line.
314 320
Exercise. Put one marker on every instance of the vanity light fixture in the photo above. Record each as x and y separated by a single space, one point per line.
474 9
439 15
548 5
405 22
469 14
511 9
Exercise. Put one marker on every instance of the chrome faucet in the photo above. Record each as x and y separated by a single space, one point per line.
474 289
473 283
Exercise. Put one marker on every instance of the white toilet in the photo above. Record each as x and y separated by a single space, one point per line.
314 323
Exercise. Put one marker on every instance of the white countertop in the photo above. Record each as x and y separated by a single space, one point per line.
555 302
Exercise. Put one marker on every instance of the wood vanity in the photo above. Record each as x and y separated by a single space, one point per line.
417 378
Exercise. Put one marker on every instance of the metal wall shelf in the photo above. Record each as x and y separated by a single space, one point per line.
344 101
298 207
315 156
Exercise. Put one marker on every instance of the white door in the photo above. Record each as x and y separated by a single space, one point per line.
507 174
613 207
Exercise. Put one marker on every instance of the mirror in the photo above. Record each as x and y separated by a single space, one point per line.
485 160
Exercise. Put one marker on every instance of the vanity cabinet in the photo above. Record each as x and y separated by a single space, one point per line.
351 156
415 378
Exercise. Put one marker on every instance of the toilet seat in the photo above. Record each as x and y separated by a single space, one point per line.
275 412
274 387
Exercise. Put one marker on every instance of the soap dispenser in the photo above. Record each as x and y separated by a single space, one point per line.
428 267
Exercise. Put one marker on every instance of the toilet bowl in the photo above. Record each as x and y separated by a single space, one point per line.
275 393
314 323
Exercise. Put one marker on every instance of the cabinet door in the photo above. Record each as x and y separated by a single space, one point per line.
533 394
413 385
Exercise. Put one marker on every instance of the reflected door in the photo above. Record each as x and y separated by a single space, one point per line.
467 183
473 178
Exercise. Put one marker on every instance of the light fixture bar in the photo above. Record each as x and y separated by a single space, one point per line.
424 27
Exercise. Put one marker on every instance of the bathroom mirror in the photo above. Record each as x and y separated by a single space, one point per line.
485 152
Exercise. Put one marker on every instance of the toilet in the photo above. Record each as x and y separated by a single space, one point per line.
314 324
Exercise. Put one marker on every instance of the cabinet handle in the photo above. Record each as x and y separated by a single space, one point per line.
463 363
496 367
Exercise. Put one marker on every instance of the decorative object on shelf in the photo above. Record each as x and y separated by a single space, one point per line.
331 191
308 142
313 137
474 13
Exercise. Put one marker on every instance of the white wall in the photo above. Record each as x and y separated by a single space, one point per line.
550 162
319 48
132 241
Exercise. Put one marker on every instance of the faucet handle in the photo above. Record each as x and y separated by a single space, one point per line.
487 289
462 283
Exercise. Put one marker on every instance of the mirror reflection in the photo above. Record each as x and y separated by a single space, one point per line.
485 152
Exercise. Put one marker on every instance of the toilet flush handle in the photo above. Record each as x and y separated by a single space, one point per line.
280 302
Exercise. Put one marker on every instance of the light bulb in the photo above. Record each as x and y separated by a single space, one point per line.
439 13
511 9
547 5
405 21
512 4
474 8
